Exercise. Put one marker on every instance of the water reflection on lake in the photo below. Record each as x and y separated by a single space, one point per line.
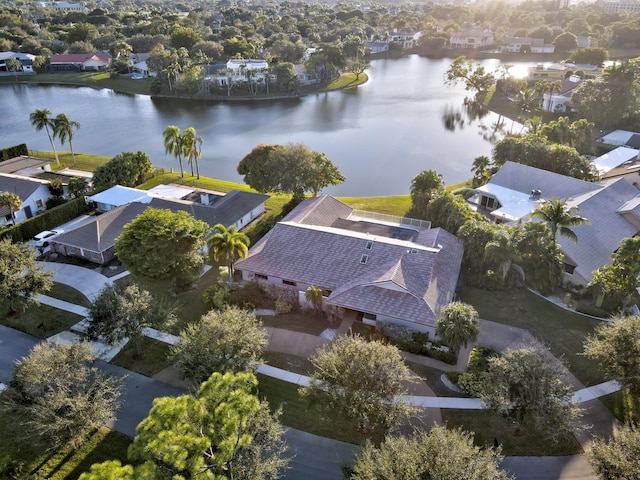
381 134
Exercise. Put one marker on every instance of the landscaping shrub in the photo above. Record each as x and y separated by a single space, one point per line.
215 296
415 342
13 152
280 292
249 296
470 381
283 306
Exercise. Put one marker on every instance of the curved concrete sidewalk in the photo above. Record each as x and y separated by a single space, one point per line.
85 280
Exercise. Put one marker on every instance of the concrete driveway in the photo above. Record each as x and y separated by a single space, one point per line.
13 346
85 280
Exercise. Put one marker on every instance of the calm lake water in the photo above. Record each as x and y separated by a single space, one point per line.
380 134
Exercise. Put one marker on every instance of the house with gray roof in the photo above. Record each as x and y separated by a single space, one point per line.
95 240
387 269
33 194
611 205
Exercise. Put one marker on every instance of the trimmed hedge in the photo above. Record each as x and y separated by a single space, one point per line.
47 220
12 152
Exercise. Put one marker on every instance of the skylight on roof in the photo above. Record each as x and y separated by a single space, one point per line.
364 258
369 245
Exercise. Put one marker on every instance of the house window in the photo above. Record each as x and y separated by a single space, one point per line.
568 268
369 245
414 251
289 282
39 204
93 255
259 276
71 250
364 258
489 202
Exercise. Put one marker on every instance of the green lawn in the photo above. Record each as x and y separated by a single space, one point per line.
90 79
624 405
64 463
431 376
563 331
53 319
153 360
286 361
347 80
68 294
487 426
85 162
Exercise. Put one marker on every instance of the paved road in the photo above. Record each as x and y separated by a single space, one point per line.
570 467
13 345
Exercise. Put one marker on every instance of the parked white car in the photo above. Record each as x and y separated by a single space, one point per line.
44 238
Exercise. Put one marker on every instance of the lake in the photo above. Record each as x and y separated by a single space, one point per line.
380 134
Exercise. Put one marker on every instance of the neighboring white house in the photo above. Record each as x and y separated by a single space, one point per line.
525 45
618 138
471 39
68 7
25 59
560 100
33 193
610 205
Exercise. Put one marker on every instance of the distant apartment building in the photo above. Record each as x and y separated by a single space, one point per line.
620 6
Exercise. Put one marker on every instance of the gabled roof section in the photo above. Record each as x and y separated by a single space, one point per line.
523 179
100 234
596 242
320 210
22 186
614 158
22 162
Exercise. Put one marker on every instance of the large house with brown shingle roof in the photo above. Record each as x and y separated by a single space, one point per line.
79 61
393 269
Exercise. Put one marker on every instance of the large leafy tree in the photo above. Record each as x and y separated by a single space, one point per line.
617 457
559 217
474 76
127 169
450 212
425 186
124 312
502 252
539 255
227 341
228 244
41 119
458 324
526 386
615 346
440 454
291 168
163 244
21 278
363 380
64 129
12 202
58 395
223 432
617 283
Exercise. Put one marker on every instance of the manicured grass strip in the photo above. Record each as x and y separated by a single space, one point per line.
487 426
68 294
624 405
153 360
85 162
286 361
347 80
65 463
52 319
96 80
297 413
392 205
296 321
563 331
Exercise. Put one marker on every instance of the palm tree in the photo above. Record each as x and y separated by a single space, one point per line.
11 200
559 217
192 145
458 325
313 295
63 128
173 144
228 243
527 99
503 251
41 118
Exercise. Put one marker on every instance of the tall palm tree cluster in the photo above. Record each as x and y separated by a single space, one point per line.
61 127
185 144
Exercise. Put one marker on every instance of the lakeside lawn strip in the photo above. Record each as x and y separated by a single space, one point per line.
564 332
